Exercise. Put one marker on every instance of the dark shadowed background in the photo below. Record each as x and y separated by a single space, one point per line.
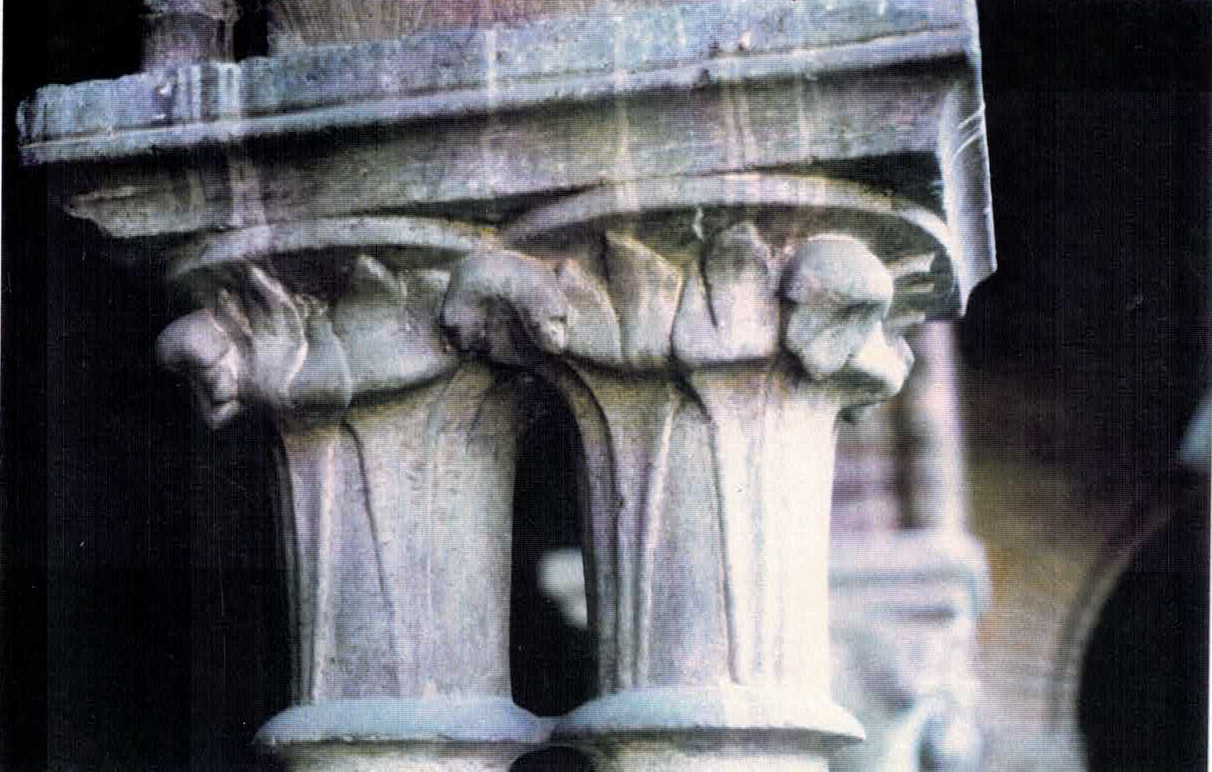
139 603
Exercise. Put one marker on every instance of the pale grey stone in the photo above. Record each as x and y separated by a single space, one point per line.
573 58
929 435
704 228
709 476
493 288
841 293
645 289
729 310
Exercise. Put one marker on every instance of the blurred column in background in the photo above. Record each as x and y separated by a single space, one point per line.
908 581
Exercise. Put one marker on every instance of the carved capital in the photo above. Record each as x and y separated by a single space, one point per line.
706 334
396 464
688 275
705 319
301 321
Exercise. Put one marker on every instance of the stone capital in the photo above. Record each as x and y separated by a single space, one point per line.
703 228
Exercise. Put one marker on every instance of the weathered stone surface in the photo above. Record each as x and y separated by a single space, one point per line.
644 288
712 575
448 733
904 595
397 462
350 326
705 228
724 91
904 606
574 57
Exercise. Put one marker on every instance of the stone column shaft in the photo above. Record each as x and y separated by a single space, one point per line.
930 435
707 383
397 460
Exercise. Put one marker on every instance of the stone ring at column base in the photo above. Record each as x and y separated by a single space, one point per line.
709 728
473 734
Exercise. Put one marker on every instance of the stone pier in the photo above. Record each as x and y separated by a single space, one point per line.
705 229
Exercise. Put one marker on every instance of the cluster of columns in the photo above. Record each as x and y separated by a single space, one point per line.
706 390
707 306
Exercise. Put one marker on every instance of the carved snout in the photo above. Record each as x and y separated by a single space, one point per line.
841 293
492 290
249 349
198 346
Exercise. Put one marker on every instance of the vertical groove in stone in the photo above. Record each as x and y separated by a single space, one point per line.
377 533
650 534
768 573
456 405
289 547
736 606
427 500
739 495
384 436
324 542
624 637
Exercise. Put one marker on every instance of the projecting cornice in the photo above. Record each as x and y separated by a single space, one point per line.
451 73
485 123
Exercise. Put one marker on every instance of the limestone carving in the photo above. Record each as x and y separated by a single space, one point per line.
684 221
262 344
396 464
706 441
706 351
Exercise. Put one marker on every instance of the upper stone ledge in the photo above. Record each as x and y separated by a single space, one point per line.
464 72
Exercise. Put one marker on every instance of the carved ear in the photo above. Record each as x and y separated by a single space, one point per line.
491 291
841 293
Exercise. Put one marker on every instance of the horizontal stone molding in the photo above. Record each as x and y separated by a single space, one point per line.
466 72
396 719
902 232
662 275
925 555
705 710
